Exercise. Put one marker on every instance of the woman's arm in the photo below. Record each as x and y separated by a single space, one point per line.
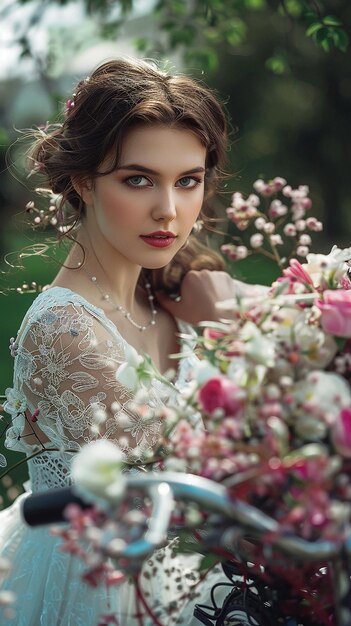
202 292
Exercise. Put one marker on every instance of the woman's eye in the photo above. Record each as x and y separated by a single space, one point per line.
189 182
137 181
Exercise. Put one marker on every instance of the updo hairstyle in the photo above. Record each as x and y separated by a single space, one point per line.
119 95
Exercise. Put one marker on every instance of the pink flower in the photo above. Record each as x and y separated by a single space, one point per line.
34 416
336 312
221 393
341 433
296 273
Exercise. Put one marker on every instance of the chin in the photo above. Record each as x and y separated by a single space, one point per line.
158 261
155 265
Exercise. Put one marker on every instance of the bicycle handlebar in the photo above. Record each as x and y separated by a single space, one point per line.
47 508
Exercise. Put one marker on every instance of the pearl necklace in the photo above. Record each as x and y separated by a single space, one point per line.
127 315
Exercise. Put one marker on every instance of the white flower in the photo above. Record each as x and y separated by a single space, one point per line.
97 471
260 222
324 393
127 373
327 266
15 401
256 240
258 347
242 252
203 371
276 240
3 463
132 357
317 348
128 377
244 374
7 597
309 427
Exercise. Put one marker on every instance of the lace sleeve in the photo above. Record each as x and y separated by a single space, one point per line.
65 371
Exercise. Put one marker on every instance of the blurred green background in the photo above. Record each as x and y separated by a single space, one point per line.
282 69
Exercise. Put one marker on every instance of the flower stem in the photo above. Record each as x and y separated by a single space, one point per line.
141 598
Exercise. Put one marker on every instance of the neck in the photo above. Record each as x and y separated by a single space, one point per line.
115 275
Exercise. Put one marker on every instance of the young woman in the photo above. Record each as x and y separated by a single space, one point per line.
133 162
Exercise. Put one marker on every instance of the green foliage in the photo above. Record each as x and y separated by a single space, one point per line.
278 64
200 28
326 32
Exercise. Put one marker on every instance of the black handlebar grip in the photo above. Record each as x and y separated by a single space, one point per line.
47 507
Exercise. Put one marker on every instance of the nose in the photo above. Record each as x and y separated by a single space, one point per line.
164 209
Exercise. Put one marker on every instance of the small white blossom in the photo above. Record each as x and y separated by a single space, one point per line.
300 225
260 222
289 230
259 185
258 347
302 251
256 241
276 240
242 252
305 240
15 401
97 471
269 228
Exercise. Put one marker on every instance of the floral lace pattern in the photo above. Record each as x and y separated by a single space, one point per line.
68 353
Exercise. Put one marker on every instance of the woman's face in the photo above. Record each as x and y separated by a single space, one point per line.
145 209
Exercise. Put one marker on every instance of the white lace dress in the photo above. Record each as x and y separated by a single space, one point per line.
68 353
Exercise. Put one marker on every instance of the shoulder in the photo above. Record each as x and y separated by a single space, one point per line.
53 306
59 314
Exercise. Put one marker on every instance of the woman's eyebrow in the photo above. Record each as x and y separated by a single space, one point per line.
147 170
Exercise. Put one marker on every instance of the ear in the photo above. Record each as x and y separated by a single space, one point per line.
84 188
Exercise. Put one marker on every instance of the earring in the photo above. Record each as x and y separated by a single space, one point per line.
197 227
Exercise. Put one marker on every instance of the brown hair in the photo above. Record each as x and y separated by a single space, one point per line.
118 95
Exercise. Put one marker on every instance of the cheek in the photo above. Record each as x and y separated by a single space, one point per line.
193 206
116 209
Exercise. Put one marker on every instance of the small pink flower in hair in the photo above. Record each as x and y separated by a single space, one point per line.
69 105
38 167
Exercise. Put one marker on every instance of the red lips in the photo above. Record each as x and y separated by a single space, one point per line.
159 238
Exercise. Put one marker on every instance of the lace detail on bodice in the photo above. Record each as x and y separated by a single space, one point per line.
68 354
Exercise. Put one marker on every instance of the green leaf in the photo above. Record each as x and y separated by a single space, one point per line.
330 20
311 30
277 64
326 45
141 44
235 32
293 7
208 561
340 342
255 4
343 40
321 36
